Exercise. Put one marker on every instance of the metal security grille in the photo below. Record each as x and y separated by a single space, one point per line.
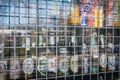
59 39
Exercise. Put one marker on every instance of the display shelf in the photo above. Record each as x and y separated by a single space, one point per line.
59 40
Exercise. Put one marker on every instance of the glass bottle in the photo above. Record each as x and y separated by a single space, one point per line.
23 39
28 42
74 63
74 15
14 67
51 63
111 57
3 68
61 42
40 39
74 40
28 66
111 62
85 65
85 56
52 39
103 61
95 52
94 46
33 41
42 65
63 64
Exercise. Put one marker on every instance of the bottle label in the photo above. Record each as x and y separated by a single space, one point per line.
40 40
73 39
42 65
85 65
52 64
33 44
63 50
14 69
84 48
92 41
83 19
63 65
27 44
23 42
111 46
95 51
111 62
94 68
87 7
52 41
28 66
102 41
103 61
74 64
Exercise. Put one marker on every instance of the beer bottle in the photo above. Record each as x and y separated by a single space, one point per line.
51 39
85 57
111 57
94 46
103 56
74 15
34 35
40 39
28 66
73 40
3 68
111 62
51 63
23 40
28 42
14 67
63 64
74 63
103 60
42 65
95 52
85 65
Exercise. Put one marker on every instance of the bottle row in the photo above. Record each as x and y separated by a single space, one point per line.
89 13
60 65
96 13
53 40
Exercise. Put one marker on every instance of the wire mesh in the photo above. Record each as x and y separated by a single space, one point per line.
59 39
